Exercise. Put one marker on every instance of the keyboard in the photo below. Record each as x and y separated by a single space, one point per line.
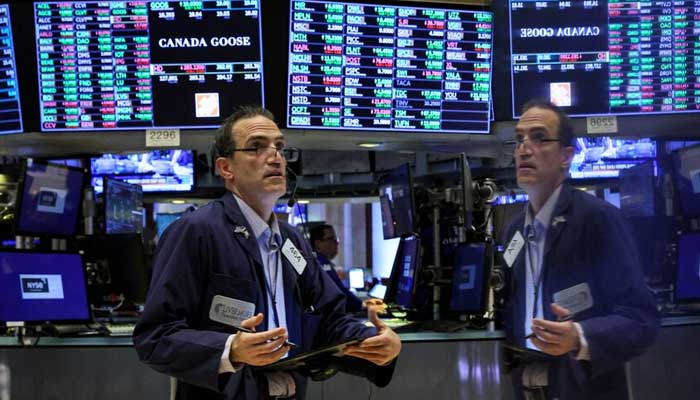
120 330
67 330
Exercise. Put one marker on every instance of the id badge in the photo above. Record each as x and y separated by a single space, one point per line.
231 312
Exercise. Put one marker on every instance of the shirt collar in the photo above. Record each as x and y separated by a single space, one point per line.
544 216
257 224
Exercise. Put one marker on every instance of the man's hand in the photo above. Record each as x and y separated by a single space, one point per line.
380 349
555 338
258 348
374 303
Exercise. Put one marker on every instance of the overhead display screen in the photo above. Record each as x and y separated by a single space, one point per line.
596 57
146 64
10 112
367 66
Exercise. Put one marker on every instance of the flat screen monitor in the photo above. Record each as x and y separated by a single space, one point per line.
163 220
605 57
688 268
120 265
10 110
123 204
396 200
604 157
157 171
389 67
356 277
42 287
405 274
50 200
113 65
469 276
637 198
686 163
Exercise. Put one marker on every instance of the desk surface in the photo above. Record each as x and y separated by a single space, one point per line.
48 341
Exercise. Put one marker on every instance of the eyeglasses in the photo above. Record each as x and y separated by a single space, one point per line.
535 141
291 154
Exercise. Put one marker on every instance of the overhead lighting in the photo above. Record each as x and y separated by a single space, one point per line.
178 201
303 202
370 145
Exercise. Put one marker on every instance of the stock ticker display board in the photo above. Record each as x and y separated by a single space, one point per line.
146 64
596 57
380 67
10 112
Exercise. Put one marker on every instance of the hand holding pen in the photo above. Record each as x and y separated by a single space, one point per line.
555 337
258 348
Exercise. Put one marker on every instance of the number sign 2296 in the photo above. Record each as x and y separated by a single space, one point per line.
162 137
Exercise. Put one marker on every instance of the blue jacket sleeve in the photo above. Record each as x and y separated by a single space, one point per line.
166 337
631 323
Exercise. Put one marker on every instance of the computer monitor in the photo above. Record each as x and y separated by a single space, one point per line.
42 287
123 204
405 274
169 170
163 220
50 200
120 267
389 67
469 276
135 65
686 163
10 110
688 269
590 57
605 157
396 198
637 190
356 277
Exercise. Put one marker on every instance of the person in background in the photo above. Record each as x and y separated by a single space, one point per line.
577 294
324 242
231 264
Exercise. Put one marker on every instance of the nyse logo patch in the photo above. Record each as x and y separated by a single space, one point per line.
35 285
44 286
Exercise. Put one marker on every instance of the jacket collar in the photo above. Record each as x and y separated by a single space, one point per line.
560 216
241 230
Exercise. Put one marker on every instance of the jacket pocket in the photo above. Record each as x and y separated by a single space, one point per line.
242 290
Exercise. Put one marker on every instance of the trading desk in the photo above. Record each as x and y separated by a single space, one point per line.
432 365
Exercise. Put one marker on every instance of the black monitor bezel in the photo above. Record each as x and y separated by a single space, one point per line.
85 284
20 199
395 172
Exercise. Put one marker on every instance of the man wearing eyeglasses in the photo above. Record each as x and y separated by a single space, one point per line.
324 242
234 288
578 308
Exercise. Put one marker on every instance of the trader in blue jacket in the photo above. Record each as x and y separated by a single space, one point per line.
324 242
232 264
577 294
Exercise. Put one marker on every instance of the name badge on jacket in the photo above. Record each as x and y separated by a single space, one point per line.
513 249
294 256
230 311
575 299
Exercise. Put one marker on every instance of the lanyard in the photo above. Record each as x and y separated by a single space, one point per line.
270 279
536 281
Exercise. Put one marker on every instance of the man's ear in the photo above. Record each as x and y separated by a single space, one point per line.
567 156
225 168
